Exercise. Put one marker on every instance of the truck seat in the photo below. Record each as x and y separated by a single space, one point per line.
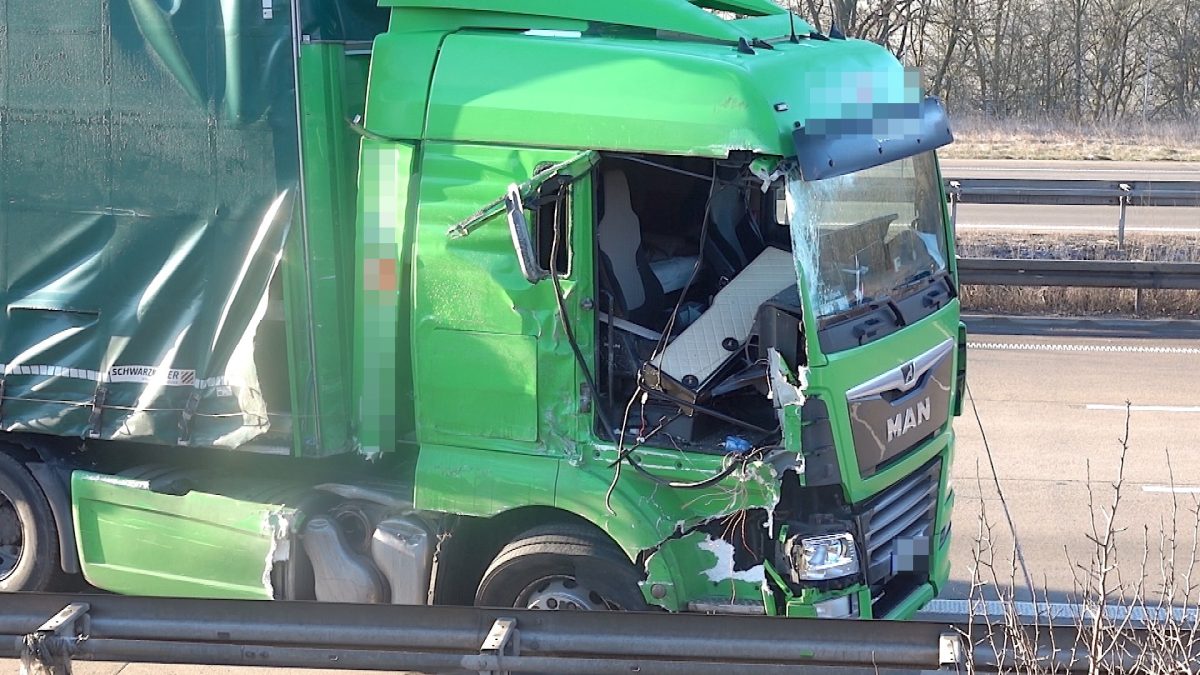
639 294
733 239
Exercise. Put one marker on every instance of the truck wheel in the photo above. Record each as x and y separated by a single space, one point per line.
28 538
561 568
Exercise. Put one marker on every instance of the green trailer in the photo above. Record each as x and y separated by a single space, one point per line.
561 305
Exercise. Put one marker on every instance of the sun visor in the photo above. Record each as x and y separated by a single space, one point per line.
826 148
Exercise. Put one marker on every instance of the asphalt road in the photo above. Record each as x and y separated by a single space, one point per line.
1053 412
1083 219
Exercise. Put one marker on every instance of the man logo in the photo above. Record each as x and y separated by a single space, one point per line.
909 372
910 419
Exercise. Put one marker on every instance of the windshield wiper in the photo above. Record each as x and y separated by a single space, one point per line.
919 280
901 322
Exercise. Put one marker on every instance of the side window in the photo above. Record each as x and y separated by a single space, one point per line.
551 211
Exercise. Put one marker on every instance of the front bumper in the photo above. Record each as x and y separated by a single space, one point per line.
759 589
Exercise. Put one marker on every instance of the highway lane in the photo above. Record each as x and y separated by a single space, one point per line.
1095 220
1052 410
1081 170
1076 219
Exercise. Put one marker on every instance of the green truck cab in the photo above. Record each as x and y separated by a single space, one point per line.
561 305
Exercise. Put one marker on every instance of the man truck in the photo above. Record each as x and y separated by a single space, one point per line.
623 305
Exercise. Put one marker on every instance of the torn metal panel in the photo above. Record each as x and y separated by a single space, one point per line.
724 567
149 533
279 525
712 578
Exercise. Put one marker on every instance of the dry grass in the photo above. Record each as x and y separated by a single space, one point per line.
978 137
1080 301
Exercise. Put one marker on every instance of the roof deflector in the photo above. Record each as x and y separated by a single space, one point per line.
677 16
826 148
747 7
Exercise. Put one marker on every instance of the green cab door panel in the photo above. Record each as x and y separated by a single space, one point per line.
488 356
136 541
493 390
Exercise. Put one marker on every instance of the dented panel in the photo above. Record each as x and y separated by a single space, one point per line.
134 539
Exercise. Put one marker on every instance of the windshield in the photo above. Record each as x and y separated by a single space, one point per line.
865 236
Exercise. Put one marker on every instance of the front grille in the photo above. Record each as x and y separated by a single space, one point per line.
897 412
894 525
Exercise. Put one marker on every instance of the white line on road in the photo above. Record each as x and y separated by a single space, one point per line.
1009 227
1169 488
1053 610
1119 349
1146 408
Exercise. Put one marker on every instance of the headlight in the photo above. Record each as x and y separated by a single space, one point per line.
823 558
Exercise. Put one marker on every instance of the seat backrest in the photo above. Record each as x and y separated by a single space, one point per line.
620 237
733 240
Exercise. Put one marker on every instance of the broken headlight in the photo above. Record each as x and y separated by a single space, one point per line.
823 558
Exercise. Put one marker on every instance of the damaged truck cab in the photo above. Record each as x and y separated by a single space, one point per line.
574 305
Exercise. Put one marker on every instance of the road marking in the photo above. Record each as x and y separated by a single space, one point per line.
951 167
1054 611
1117 349
1146 408
1009 227
1169 489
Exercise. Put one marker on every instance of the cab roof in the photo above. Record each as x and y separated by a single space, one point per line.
679 16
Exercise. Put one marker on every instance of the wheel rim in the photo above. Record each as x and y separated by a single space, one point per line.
11 541
563 594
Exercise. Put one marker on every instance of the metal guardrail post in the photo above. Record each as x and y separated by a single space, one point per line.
950 651
48 649
1125 188
955 194
503 640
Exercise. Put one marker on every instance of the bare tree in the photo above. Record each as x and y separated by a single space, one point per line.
1087 60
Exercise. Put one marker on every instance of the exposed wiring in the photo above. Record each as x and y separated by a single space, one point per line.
624 454
711 413
566 322
664 167
707 482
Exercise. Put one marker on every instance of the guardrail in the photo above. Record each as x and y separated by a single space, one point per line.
1088 273
51 630
1122 194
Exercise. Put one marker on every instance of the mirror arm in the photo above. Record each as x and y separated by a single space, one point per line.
518 228
576 168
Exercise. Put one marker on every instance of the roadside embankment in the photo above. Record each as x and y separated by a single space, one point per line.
1079 301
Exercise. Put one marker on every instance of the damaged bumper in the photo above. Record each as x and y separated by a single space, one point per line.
745 563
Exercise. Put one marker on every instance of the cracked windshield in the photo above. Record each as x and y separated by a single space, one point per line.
866 236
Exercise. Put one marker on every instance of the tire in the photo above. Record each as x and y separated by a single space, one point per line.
561 568
28 537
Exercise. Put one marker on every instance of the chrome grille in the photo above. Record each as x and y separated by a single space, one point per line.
906 510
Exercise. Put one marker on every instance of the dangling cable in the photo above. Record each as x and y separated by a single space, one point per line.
566 322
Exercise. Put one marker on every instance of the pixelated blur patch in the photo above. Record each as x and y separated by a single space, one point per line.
911 555
884 120
380 275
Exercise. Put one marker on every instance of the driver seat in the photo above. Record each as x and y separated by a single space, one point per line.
639 294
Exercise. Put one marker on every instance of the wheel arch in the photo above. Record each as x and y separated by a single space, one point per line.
52 478
474 542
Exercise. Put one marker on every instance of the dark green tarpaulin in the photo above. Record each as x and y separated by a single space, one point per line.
148 180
